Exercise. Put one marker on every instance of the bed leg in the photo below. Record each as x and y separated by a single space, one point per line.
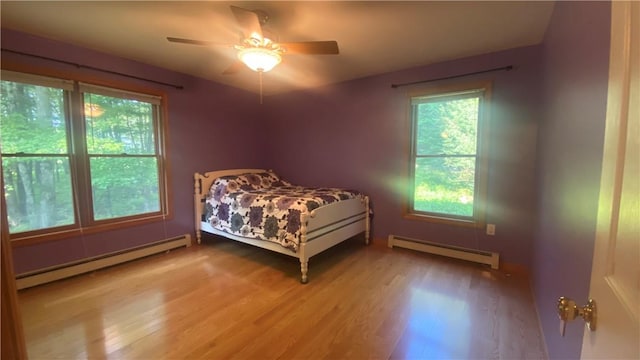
304 268
367 223
199 236
366 236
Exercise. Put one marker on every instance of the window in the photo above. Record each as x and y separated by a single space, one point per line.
77 155
448 172
120 135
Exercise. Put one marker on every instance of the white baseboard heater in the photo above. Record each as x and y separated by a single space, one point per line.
58 272
478 256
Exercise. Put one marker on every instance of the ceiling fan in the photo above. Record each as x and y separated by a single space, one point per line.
258 52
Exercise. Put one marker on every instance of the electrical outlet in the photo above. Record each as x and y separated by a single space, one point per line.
491 229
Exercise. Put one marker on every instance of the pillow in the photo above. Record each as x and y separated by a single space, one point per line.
245 182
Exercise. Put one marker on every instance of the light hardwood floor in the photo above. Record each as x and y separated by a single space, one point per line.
226 300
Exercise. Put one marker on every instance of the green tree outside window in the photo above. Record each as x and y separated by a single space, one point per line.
446 154
44 154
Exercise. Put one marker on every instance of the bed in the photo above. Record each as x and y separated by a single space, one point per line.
257 207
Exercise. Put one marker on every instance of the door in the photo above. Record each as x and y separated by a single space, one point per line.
615 278
12 345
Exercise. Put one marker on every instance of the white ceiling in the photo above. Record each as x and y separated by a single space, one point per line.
374 36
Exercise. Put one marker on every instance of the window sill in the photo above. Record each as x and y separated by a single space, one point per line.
444 220
20 240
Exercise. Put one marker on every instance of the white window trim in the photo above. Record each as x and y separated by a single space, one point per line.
423 95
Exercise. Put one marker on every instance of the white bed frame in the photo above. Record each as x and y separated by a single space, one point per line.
321 229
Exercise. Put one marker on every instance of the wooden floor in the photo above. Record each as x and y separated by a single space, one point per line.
226 300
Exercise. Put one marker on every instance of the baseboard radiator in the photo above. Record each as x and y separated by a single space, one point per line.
481 257
58 272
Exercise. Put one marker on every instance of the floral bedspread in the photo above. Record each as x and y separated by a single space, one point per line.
262 206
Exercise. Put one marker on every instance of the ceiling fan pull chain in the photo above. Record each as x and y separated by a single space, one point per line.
260 75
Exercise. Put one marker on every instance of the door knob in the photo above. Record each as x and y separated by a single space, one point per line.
568 311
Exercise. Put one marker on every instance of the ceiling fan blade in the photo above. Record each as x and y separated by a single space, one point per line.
312 47
189 41
248 21
234 68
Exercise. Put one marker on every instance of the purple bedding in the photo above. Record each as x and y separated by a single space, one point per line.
262 206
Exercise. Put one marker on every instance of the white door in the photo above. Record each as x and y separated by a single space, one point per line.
615 278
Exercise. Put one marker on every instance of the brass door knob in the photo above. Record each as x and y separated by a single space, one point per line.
568 311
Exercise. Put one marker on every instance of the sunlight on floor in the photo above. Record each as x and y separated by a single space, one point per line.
433 318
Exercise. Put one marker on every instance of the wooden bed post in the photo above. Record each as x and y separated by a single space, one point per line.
304 265
302 254
367 223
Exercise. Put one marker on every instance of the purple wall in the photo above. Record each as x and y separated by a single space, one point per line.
207 121
575 60
356 134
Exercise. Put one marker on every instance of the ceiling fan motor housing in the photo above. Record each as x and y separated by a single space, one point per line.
259 48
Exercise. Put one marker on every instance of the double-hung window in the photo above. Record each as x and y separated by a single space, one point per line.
448 155
78 155
122 152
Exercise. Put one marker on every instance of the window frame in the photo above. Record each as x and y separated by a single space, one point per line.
79 156
478 219
85 88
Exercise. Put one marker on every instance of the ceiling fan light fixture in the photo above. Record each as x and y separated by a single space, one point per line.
259 59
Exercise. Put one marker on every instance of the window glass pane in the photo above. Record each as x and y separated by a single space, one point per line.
38 189
32 119
445 185
447 127
38 192
124 186
118 126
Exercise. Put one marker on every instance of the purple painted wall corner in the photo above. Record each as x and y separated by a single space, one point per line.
357 132
575 60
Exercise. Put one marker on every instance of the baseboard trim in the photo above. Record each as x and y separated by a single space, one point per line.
456 252
59 272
